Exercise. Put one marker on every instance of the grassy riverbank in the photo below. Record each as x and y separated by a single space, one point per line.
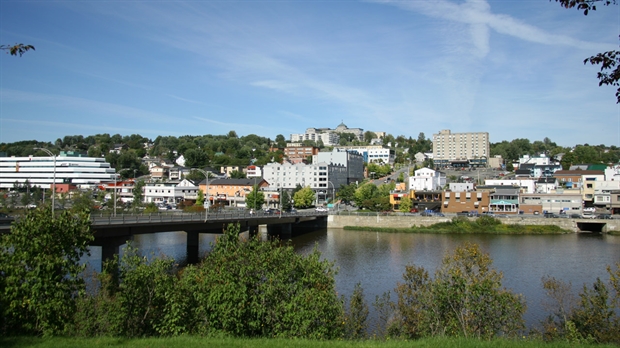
483 224
190 342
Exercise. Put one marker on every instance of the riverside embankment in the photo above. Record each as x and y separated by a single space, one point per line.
406 221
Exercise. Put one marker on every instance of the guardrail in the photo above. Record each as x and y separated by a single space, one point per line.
189 217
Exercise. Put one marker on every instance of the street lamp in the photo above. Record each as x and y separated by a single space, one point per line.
333 191
53 185
206 174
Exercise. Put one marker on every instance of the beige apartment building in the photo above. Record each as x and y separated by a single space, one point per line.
461 149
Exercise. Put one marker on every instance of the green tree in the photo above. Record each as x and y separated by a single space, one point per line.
364 195
609 61
465 298
304 198
138 193
236 174
286 201
82 201
346 193
255 199
262 289
405 204
40 262
357 315
200 198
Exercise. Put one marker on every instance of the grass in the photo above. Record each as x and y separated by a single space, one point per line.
460 225
192 341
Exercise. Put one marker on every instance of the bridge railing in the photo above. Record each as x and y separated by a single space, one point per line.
101 219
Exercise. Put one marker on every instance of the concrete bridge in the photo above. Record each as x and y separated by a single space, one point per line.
112 232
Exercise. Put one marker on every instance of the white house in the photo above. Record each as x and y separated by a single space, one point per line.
171 192
427 179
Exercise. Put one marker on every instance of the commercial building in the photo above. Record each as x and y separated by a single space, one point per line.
461 149
83 172
318 176
372 153
352 160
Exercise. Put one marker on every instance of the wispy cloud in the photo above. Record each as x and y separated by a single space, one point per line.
88 106
478 15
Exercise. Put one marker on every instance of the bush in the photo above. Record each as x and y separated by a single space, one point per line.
40 267
464 299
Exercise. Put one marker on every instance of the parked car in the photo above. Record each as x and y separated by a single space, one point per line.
488 213
272 211
321 209
575 216
552 215
439 214
604 216
427 213
6 219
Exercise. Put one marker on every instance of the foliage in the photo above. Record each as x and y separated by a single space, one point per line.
286 201
138 193
346 193
379 170
200 198
16 49
40 263
304 198
151 208
405 204
593 317
236 174
261 289
82 200
609 60
255 199
357 315
465 298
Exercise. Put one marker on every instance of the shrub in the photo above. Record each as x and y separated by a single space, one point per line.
465 298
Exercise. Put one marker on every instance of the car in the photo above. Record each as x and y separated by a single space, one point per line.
575 216
604 216
427 213
552 215
6 219
320 209
272 211
463 213
439 214
488 213
413 210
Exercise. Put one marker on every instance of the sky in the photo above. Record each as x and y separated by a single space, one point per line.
513 69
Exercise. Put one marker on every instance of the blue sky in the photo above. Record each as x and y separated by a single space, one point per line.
511 68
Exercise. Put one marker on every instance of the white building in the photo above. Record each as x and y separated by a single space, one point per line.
84 172
352 160
171 192
327 135
253 171
461 186
541 160
372 153
427 179
525 185
318 176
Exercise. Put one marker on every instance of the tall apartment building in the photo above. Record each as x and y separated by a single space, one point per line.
464 149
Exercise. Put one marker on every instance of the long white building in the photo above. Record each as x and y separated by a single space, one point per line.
318 176
39 171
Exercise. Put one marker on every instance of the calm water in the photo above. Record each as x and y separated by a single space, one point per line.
378 260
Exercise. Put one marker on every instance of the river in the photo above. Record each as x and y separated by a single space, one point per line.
378 260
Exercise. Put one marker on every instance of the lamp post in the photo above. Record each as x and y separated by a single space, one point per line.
206 174
53 186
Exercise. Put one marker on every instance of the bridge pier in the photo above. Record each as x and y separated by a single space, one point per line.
192 248
110 247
